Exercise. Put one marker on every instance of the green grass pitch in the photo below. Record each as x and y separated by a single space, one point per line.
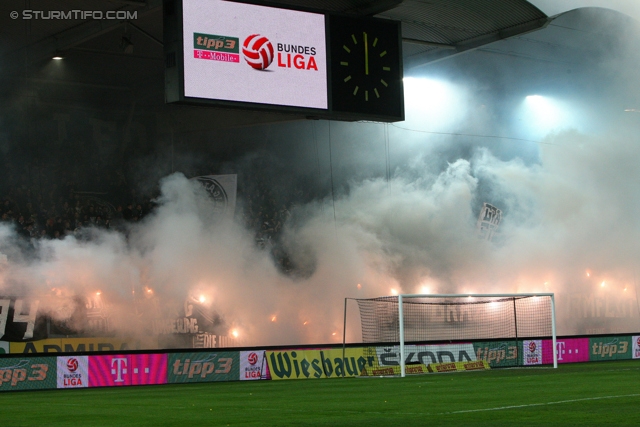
586 394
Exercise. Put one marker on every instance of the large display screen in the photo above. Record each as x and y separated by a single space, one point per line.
250 53
255 56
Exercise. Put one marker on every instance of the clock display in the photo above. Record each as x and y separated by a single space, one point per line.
365 54
366 67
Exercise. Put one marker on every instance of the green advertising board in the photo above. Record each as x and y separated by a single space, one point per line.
499 354
610 348
203 367
27 373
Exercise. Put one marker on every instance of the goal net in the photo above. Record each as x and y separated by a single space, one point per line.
412 319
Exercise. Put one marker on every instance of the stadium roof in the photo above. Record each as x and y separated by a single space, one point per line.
99 60
431 29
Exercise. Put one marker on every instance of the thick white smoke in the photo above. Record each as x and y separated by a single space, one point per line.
570 226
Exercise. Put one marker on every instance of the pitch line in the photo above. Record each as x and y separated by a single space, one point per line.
501 408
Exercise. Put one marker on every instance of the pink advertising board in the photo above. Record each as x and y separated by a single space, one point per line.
570 350
127 369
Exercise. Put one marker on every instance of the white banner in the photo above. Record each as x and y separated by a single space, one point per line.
425 354
532 352
636 346
4 347
253 365
488 221
222 189
73 371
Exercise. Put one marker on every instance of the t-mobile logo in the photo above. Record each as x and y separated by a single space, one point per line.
572 350
560 349
119 368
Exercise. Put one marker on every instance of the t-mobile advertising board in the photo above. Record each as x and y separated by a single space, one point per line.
250 53
127 369
570 350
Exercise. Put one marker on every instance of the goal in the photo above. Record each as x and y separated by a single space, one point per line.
421 318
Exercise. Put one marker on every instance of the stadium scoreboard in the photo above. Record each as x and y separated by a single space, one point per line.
255 56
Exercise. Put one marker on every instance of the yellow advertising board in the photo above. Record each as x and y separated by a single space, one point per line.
312 364
393 370
478 365
59 345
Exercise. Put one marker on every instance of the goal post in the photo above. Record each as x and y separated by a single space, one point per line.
424 319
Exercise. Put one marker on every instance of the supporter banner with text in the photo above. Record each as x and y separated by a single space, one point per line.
636 346
222 189
20 319
4 347
310 364
203 367
27 373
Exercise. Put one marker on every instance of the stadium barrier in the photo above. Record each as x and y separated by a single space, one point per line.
81 368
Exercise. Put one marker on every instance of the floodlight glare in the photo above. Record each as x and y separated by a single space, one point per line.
540 115
432 104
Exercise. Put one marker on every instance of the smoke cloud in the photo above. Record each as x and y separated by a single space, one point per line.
391 218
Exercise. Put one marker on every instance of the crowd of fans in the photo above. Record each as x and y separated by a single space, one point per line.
41 208
66 209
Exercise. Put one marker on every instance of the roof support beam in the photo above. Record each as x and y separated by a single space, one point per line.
425 43
447 51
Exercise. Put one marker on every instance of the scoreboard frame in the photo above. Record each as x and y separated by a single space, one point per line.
359 86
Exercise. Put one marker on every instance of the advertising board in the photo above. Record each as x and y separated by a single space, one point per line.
569 350
610 348
127 369
426 354
498 353
73 371
70 345
532 352
27 373
253 365
310 364
203 367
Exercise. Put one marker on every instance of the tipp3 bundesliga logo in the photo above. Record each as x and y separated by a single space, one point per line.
257 50
216 48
